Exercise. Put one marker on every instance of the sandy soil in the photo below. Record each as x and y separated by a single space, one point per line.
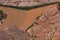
35 13
22 19
15 17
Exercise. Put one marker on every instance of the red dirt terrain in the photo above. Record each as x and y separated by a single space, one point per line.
23 19
17 25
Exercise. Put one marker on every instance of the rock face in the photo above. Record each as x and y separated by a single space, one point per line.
4 36
17 34
47 26
13 33
25 2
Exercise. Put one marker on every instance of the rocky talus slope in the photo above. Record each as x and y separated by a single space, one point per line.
25 2
13 33
47 26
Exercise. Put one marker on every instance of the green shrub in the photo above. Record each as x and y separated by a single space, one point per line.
1 12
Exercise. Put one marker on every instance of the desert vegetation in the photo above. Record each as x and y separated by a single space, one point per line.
2 15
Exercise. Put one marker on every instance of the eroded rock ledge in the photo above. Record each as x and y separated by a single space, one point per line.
25 2
13 33
47 27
